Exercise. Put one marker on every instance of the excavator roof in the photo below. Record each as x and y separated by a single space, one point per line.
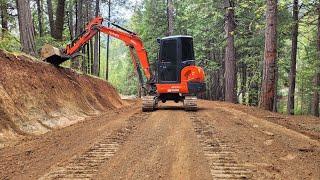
175 37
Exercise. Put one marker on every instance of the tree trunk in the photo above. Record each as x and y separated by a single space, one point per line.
26 27
316 81
50 14
59 22
108 42
79 19
86 61
170 16
91 56
315 98
253 91
90 10
96 45
275 97
4 17
75 63
268 89
39 10
230 60
292 76
243 87
70 20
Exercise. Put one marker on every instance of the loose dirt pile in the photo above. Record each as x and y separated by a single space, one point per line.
36 97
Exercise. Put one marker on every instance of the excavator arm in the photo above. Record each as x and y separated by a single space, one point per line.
95 26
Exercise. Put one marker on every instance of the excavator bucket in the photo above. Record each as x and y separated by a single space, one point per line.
53 55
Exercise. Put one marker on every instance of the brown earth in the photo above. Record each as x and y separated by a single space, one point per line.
220 141
36 97
308 125
63 125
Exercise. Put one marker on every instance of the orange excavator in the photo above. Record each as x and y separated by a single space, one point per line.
176 77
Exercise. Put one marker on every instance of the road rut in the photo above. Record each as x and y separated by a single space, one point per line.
217 142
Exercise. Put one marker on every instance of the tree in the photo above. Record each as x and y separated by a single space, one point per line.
316 80
293 71
27 37
88 48
170 16
108 42
75 64
50 15
70 19
39 10
59 22
230 60
268 90
96 52
4 16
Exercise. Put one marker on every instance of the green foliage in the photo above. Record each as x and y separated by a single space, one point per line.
121 71
307 63
150 23
47 39
9 42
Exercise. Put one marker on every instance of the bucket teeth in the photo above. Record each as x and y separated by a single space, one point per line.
190 103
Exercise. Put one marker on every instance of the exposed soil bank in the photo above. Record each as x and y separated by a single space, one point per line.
36 97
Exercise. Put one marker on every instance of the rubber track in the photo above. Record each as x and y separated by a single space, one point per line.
219 154
86 165
190 103
148 103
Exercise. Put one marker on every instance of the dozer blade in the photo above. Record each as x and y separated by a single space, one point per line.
53 55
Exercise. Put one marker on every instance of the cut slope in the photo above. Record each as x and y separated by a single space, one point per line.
36 97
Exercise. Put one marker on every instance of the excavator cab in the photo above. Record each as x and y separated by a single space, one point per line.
176 52
177 77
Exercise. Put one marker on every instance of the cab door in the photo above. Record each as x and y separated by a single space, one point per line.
168 61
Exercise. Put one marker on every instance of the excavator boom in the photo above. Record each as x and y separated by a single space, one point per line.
56 56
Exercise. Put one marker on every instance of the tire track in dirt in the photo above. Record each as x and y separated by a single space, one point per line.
86 165
273 152
164 147
270 125
220 154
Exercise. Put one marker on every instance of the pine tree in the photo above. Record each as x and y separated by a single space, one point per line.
268 91
27 36
293 71
230 59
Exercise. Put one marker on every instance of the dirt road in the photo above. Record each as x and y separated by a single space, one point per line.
217 142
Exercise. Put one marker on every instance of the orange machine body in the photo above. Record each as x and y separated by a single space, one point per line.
189 76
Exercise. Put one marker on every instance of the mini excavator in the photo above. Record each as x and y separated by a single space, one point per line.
176 77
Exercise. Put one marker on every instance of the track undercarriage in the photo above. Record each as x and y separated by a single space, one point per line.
150 103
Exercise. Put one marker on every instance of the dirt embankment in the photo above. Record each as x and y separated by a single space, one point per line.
36 97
